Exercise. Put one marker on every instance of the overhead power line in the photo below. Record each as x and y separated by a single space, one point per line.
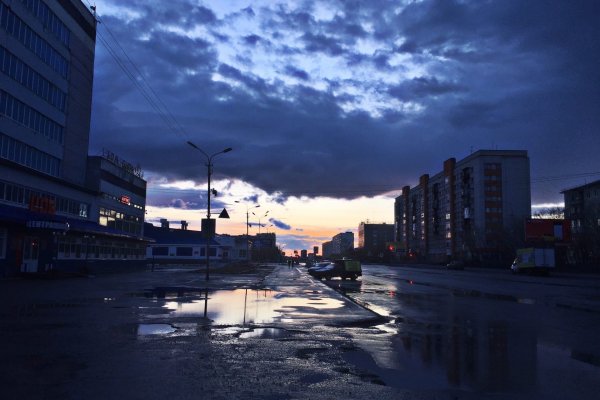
131 70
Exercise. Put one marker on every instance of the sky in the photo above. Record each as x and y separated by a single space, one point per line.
331 107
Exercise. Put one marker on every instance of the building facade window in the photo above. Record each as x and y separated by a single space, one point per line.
17 28
29 117
23 154
184 251
89 248
50 21
40 201
120 221
3 241
16 69
212 252
83 210
160 251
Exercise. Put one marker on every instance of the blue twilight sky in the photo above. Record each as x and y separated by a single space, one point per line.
332 106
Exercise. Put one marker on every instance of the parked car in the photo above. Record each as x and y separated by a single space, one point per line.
318 265
344 268
455 265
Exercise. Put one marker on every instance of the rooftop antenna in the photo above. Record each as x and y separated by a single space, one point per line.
93 8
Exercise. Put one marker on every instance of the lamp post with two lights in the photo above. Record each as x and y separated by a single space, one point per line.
247 226
208 226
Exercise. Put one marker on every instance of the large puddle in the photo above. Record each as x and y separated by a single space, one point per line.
443 341
248 306
154 329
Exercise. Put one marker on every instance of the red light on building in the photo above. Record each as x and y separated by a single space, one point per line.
125 200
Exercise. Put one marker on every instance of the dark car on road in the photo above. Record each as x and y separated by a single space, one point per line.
344 268
455 265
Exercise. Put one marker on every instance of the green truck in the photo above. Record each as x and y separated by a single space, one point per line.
534 260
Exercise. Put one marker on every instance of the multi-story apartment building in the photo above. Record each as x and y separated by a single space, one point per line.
327 249
58 209
343 243
373 239
472 209
582 208
340 245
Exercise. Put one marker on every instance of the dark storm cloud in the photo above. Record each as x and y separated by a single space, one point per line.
280 224
506 74
252 39
178 203
183 14
187 200
297 21
423 87
249 11
296 73
320 43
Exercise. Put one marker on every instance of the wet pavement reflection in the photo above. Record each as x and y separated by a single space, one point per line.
246 306
155 329
265 333
450 339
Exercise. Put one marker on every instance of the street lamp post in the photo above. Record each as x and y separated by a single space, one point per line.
209 166
247 226
259 218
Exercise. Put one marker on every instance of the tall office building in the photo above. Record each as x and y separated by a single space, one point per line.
474 209
51 193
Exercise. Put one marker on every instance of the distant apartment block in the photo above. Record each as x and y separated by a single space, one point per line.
474 209
327 249
343 243
373 238
340 245
582 208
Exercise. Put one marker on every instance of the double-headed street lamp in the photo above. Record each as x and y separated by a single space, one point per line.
247 226
210 228
259 218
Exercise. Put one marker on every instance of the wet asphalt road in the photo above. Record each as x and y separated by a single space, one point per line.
401 333
483 331
273 334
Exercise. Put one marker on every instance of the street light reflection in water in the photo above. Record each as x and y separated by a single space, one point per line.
248 306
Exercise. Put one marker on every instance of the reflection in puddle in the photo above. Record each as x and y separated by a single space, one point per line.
265 333
230 330
246 306
475 353
155 329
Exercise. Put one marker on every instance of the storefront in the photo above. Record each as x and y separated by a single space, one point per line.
37 243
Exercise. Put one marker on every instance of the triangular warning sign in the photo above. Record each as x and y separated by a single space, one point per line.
224 214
